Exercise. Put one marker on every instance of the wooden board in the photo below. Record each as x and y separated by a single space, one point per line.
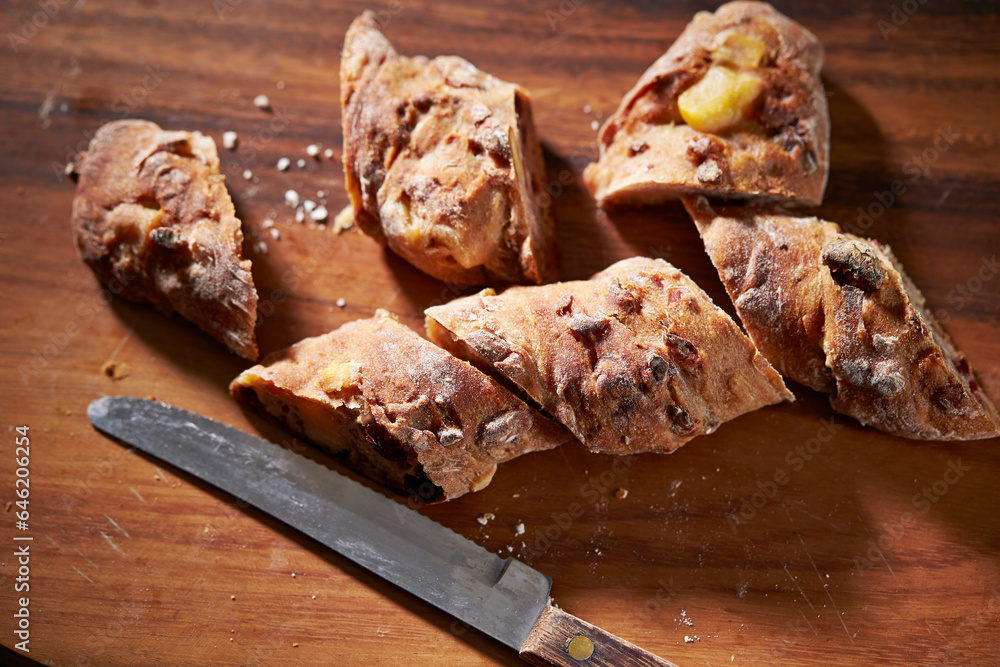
874 550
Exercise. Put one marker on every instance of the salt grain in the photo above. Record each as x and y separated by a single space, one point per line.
320 214
300 163
247 174
275 234
312 150
284 163
341 302
519 529
594 125
328 153
229 140
267 224
292 198
309 205
300 215
261 102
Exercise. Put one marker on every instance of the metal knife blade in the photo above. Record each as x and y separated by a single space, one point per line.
503 598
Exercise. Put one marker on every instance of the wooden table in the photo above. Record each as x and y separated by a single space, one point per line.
877 549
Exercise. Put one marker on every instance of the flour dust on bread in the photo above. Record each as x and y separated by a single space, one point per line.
735 108
636 359
442 164
397 408
153 219
838 314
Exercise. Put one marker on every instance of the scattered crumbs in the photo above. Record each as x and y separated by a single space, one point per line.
674 486
485 518
345 220
260 247
284 163
594 125
621 494
275 234
247 175
519 529
695 638
293 575
516 495
280 85
523 545
586 108
319 214
261 102
295 644
68 170
229 140
328 153
309 205
341 302
232 597
312 150
292 198
116 371
510 549
267 224
300 163
314 597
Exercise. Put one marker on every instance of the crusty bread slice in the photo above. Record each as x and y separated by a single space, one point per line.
397 408
776 147
838 314
637 359
153 219
442 164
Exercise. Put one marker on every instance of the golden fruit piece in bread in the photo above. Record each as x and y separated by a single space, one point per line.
838 314
396 408
442 164
636 359
735 108
153 219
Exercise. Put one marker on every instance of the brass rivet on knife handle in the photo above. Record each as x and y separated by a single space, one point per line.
562 639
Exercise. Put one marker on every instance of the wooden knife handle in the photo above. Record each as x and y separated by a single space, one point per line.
564 640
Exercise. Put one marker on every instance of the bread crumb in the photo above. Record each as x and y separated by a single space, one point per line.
621 494
295 644
230 139
485 518
344 219
261 102
275 234
284 163
116 371
519 529
319 214
232 597
293 575
267 224
260 247
312 150
341 302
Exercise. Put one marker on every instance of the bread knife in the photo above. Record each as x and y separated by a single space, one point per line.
503 598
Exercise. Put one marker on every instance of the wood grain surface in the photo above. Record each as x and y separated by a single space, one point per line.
867 549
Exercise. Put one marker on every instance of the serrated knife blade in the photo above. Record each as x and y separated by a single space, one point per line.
503 598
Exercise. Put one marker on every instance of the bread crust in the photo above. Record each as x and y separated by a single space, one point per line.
636 359
433 427
648 154
153 219
838 314
442 164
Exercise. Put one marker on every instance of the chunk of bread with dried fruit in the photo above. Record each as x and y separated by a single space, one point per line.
153 219
397 408
442 164
735 108
636 359
838 314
